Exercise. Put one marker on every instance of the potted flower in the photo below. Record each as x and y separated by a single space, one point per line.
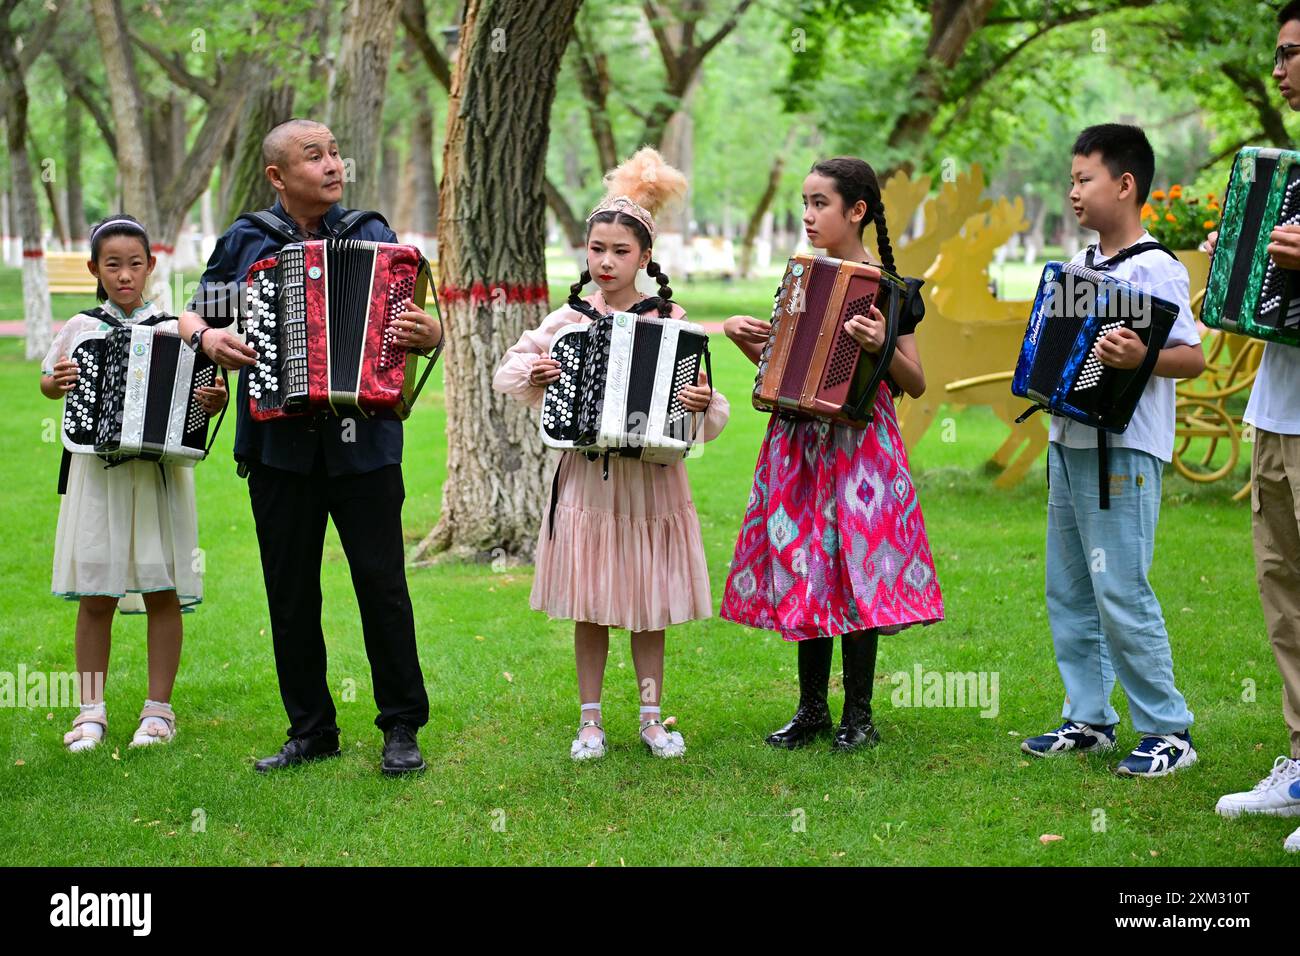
1181 222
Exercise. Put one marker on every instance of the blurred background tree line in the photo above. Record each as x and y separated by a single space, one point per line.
743 94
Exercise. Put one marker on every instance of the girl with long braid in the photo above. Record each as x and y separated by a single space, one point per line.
833 541
623 551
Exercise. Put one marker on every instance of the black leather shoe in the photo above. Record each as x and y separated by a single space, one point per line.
813 717
401 752
298 750
856 729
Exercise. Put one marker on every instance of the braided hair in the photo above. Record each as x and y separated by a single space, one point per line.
856 181
118 224
664 300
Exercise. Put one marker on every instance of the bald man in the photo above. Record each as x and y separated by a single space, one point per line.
304 471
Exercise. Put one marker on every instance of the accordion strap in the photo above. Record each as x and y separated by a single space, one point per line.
1126 253
273 224
1103 470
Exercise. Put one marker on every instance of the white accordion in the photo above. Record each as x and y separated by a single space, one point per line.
617 390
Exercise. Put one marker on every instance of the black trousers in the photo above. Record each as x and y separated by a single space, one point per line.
291 510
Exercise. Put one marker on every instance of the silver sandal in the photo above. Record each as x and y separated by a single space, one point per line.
591 747
670 745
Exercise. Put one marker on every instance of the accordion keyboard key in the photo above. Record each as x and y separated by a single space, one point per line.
1090 374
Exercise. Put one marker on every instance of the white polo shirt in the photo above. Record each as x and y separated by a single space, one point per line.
1151 429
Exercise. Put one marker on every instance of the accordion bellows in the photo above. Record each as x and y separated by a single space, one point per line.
812 367
134 396
1246 292
1074 308
320 315
617 390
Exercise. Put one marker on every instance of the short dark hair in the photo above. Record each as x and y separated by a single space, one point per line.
1124 149
1288 13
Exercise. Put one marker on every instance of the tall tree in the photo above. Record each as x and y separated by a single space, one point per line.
14 63
161 192
357 95
491 233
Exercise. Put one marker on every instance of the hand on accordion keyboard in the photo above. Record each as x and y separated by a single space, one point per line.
65 374
417 329
1284 247
544 371
212 398
695 398
867 330
1121 348
227 351
746 328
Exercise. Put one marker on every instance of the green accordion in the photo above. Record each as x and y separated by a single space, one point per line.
1247 293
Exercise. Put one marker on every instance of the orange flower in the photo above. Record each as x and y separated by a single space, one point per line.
1148 212
1208 224
1175 191
1214 204
1158 194
1170 217
1210 196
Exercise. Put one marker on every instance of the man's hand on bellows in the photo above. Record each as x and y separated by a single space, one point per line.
227 351
417 329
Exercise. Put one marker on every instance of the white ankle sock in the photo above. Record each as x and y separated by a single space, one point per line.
649 713
94 733
156 722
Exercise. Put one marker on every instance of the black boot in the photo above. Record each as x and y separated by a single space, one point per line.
856 729
813 716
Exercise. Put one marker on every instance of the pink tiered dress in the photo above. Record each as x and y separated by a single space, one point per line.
626 551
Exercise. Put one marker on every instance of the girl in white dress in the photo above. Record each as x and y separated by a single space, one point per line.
127 536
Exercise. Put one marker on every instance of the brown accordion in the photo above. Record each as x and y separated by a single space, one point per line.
812 367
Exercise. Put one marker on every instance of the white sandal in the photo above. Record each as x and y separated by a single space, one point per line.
669 745
150 735
588 748
78 731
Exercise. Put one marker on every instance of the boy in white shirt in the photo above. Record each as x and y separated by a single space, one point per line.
1105 619
1274 413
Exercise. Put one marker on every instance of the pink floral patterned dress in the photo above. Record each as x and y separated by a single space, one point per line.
833 539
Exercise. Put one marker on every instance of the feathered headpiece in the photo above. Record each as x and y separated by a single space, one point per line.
640 187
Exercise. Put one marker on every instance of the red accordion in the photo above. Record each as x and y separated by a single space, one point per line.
320 315
812 367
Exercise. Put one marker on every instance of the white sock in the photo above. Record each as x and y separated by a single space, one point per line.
143 732
94 733
649 713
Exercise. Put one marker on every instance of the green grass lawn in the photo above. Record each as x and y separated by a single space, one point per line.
947 786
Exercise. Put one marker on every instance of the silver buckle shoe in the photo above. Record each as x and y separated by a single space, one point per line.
670 745
591 747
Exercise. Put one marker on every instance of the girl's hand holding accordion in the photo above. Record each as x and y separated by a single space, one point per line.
212 398
867 330
1284 247
696 398
544 371
65 374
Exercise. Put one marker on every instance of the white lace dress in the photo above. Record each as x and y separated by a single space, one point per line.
126 530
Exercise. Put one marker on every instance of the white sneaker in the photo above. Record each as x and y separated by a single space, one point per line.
1277 795
1292 844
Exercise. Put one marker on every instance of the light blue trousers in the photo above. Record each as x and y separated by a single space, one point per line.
1105 619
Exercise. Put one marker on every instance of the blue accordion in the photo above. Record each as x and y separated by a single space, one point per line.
1075 307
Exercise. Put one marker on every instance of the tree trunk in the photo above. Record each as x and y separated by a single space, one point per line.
357 94
424 181
491 233
36 286
72 171
248 188
134 163
764 204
